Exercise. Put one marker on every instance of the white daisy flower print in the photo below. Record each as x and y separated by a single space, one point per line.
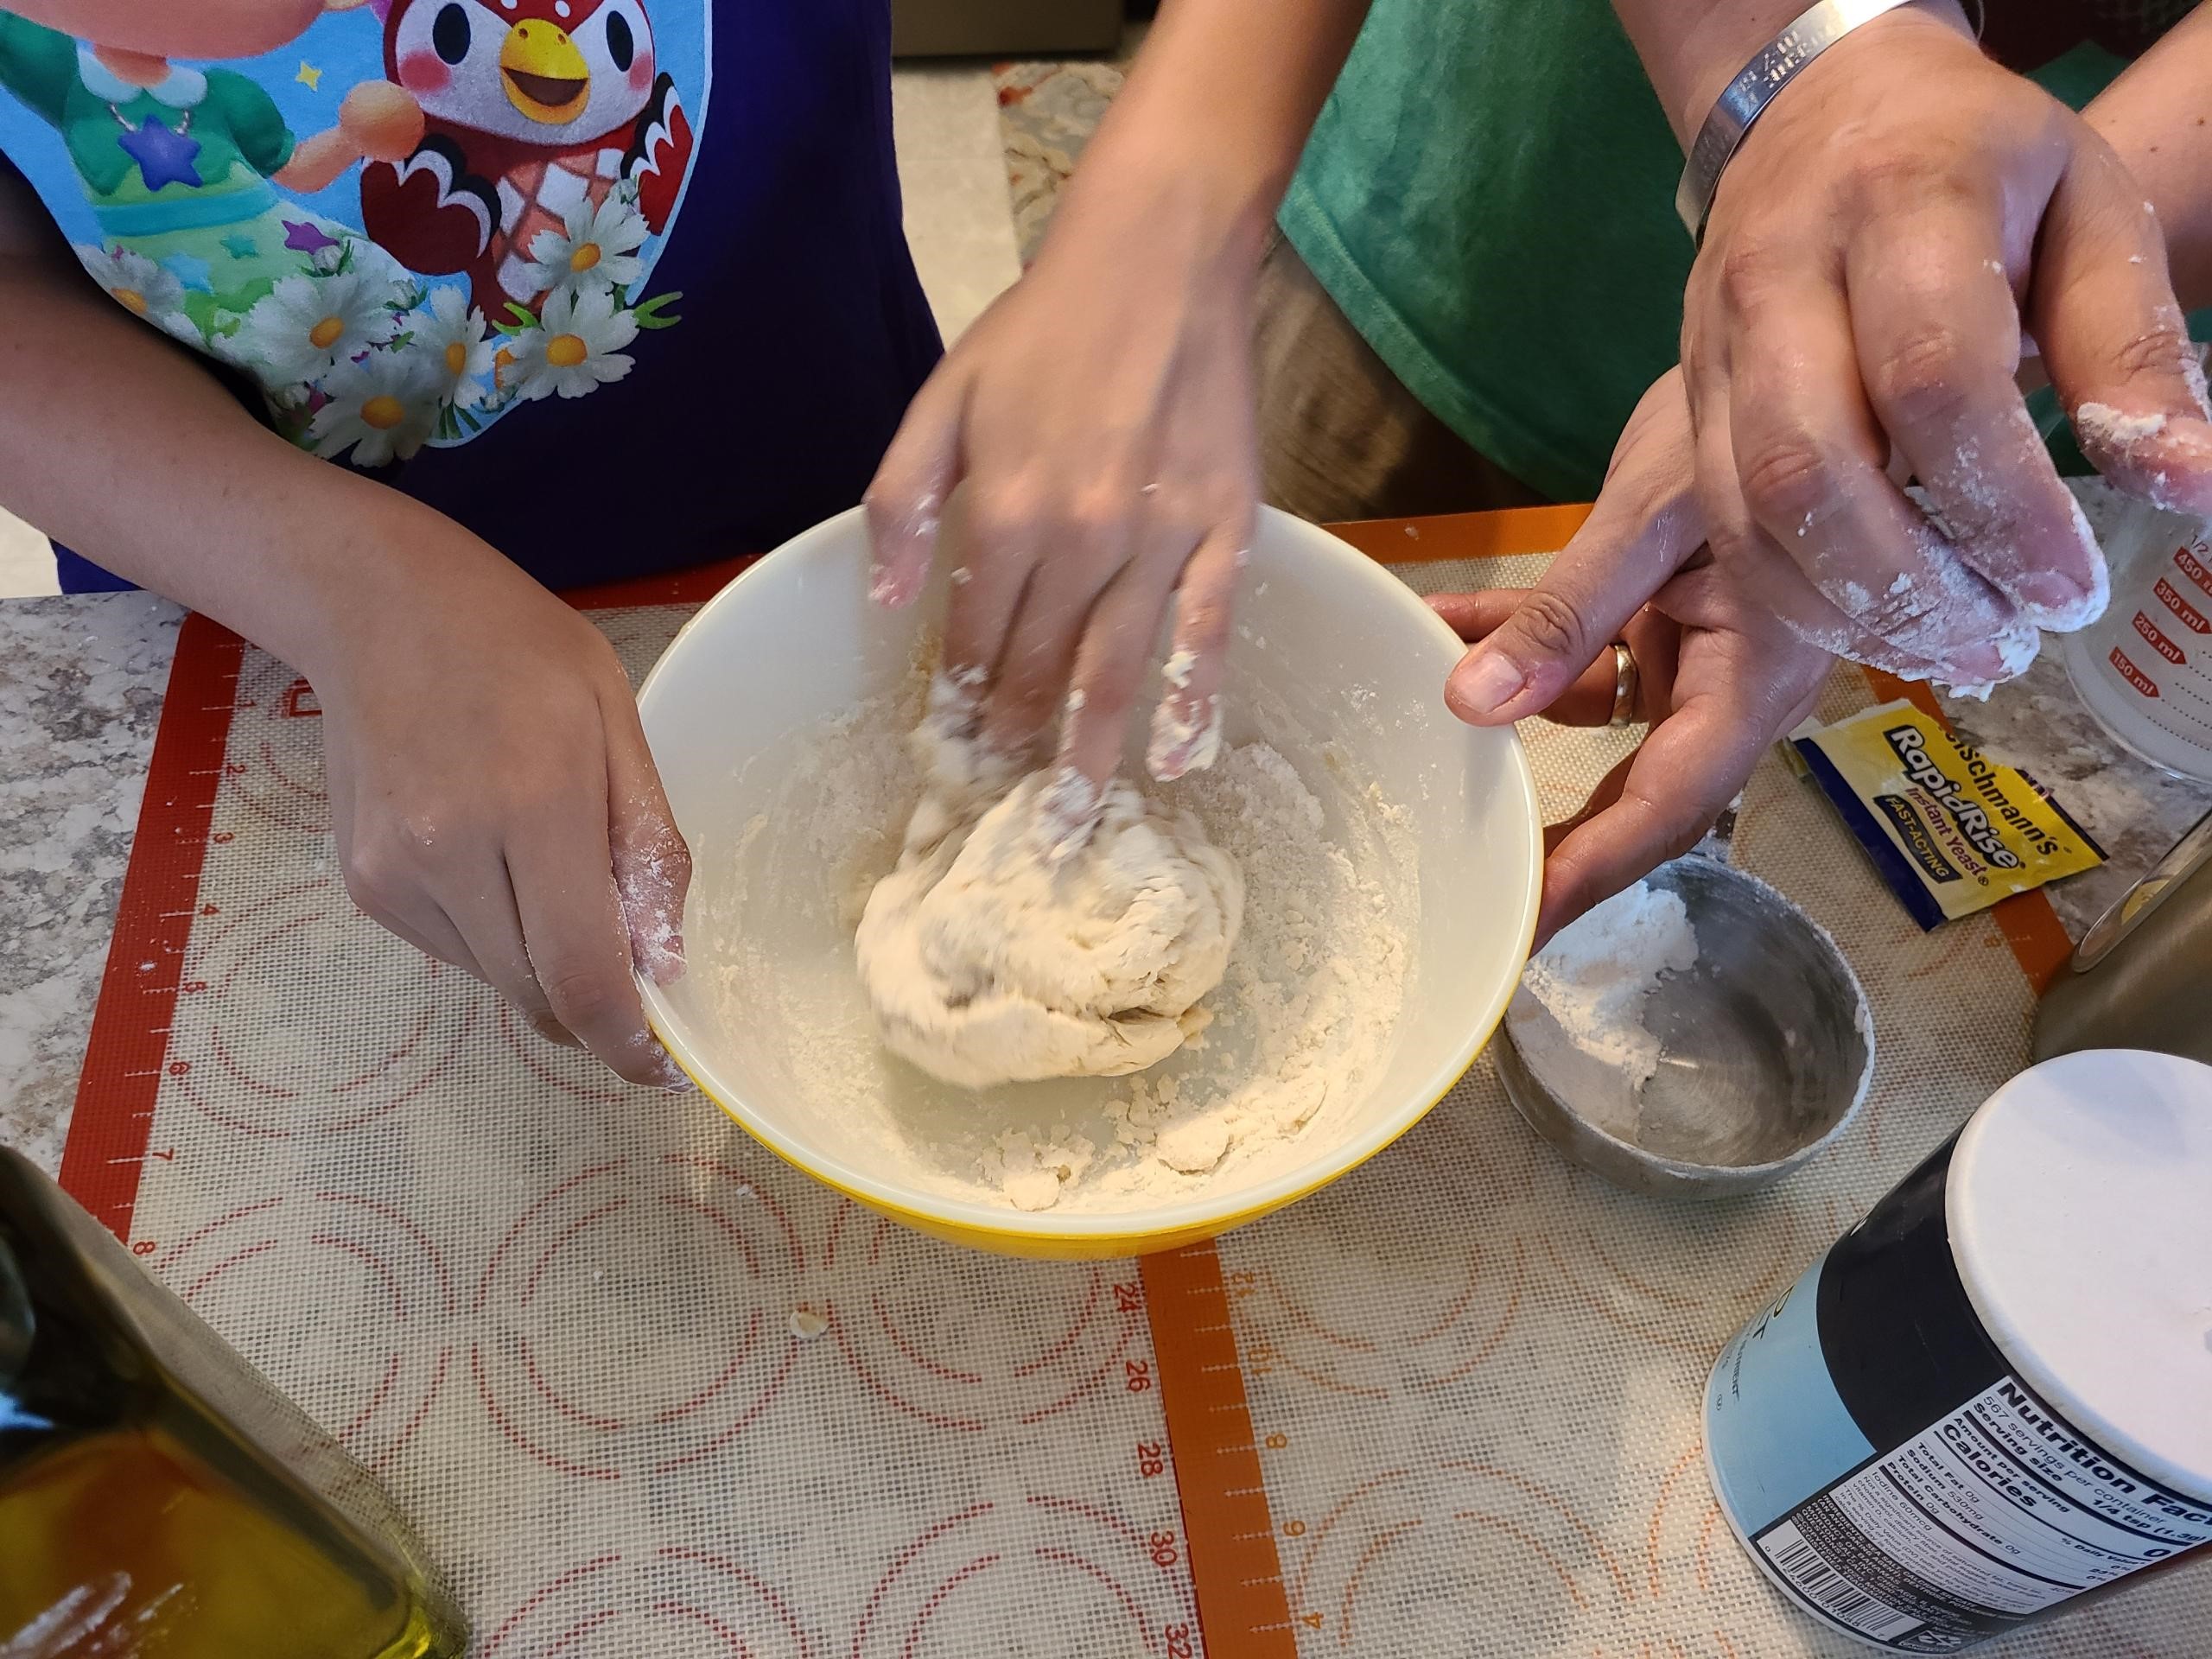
452 336
140 287
577 348
383 408
308 326
595 250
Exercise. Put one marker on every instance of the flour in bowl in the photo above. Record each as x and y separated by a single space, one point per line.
1316 984
1305 1018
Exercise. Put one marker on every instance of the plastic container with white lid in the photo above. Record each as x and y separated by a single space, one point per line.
2081 1212
1993 1395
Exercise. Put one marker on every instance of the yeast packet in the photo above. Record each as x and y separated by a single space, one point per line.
1948 831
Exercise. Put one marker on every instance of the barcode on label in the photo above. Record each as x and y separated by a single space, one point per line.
1835 1595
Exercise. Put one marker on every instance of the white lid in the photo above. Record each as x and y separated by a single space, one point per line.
2080 1205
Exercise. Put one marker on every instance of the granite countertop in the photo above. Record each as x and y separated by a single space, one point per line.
81 682
81 694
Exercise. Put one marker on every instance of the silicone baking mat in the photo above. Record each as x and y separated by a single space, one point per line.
1447 1406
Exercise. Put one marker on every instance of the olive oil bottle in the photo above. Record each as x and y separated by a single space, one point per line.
159 1499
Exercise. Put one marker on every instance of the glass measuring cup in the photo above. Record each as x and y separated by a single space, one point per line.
2145 669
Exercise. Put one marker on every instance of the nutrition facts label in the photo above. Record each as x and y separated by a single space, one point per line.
1998 1511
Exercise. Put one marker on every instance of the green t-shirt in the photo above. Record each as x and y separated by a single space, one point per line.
1489 196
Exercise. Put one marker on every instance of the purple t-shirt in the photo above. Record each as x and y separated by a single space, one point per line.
638 297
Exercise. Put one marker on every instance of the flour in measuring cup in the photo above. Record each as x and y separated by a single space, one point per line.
1594 981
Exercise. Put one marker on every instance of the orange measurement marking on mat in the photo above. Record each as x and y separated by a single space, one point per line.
1235 1572
110 1130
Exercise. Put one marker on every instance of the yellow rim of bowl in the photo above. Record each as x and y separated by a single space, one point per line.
1086 1229
1206 1228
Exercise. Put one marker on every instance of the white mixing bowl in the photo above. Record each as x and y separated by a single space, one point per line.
1335 661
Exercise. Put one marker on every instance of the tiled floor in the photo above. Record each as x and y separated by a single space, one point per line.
952 167
953 163
26 562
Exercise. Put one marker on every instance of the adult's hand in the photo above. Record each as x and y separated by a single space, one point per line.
1720 674
1899 217
495 806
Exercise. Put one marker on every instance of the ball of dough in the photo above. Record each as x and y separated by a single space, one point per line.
985 964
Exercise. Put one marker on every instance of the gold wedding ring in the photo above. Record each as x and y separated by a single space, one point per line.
1627 682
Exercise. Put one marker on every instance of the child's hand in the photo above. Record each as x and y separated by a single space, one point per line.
496 806
1101 418
490 786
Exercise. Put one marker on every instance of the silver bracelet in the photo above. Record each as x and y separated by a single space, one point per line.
1745 98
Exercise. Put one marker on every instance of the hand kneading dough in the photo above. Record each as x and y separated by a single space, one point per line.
985 965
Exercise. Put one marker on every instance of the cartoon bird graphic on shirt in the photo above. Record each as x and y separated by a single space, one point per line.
532 108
